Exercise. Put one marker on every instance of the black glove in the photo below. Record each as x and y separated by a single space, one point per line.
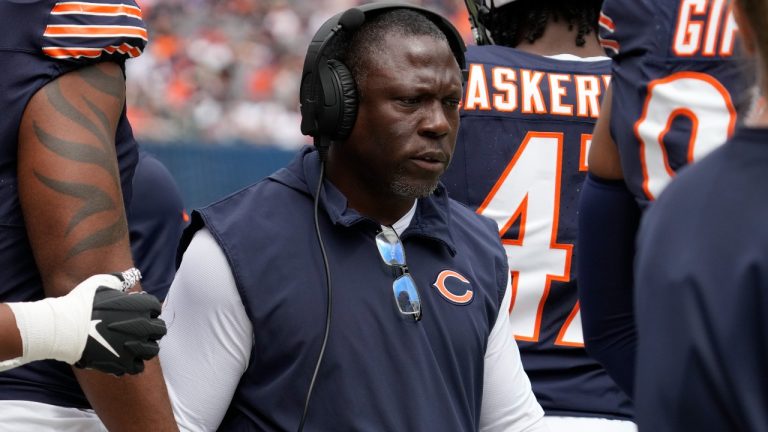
124 332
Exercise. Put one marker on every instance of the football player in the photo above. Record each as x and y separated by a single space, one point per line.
677 87
67 155
701 280
532 97
397 357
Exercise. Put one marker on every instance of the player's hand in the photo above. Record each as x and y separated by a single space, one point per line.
123 329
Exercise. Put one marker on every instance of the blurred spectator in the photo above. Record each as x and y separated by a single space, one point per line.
224 71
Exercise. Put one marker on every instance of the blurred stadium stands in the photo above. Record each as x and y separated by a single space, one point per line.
215 94
207 173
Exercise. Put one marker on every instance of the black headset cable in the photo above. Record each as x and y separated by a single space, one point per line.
328 306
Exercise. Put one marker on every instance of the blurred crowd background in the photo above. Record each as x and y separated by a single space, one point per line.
226 72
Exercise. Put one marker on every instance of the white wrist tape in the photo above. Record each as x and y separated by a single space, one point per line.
57 328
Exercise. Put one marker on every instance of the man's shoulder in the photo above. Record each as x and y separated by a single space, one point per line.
461 210
466 221
692 191
256 213
253 199
477 239
690 185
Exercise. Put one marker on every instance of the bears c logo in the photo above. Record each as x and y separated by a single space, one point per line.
445 292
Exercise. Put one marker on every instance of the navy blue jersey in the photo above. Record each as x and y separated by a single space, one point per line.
41 41
381 370
701 295
156 219
520 159
678 84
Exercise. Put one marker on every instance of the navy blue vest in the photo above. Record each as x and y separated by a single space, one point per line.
381 371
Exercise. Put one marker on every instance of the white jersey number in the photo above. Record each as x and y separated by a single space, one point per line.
528 191
698 96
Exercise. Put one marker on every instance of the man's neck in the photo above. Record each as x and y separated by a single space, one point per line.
373 202
385 212
559 39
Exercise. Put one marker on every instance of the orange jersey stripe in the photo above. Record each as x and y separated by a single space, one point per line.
606 22
64 8
94 31
610 44
124 49
72 52
75 52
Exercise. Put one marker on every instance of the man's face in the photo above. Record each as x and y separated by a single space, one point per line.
408 117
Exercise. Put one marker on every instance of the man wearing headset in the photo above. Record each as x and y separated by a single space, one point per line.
384 307
535 83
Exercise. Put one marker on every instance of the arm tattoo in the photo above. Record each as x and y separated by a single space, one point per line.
104 82
103 237
94 199
64 107
76 151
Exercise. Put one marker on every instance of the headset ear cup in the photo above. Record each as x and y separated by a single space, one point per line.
348 100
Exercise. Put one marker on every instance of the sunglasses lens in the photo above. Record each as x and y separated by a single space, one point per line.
392 253
406 296
390 248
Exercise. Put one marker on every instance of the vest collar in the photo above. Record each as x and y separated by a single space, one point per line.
431 220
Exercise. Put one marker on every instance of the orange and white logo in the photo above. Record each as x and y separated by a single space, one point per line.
462 299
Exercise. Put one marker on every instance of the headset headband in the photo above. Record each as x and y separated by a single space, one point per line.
455 40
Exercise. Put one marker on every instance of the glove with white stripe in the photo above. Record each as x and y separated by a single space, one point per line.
124 330
96 326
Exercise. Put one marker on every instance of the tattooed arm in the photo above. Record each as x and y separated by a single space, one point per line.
69 186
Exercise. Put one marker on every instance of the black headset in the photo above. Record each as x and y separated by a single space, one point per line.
328 94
